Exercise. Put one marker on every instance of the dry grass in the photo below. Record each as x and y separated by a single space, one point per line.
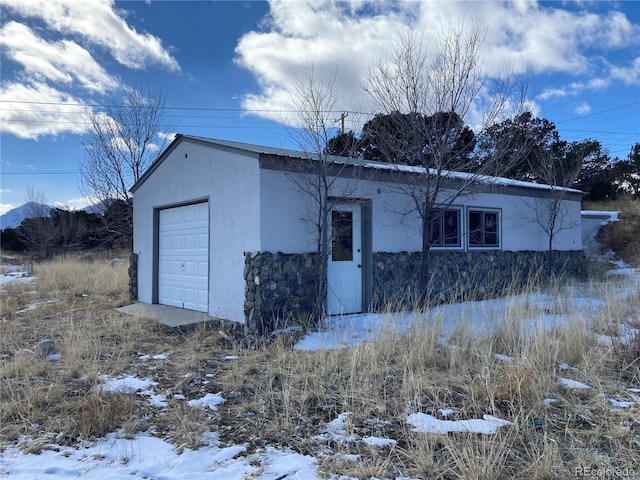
80 279
280 396
621 237
288 397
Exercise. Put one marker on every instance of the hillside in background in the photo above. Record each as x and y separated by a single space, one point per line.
15 216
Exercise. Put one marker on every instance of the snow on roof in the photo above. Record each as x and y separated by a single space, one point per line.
360 162
484 179
473 177
610 215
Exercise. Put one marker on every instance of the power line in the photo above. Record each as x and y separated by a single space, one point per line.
263 110
628 132
60 172
208 109
599 113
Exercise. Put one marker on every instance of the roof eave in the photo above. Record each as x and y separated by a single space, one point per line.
156 163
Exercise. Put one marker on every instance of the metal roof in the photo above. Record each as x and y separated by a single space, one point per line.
359 162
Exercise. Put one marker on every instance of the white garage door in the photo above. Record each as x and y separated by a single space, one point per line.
183 263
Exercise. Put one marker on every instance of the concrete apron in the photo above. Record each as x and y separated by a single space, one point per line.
171 317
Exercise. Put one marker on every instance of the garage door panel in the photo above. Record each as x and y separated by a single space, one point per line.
189 295
189 216
190 243
203 268
203 297
190 269
183 263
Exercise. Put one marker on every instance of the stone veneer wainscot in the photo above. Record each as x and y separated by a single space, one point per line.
280 286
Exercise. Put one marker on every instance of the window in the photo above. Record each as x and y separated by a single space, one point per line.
483 228
445 228
341 236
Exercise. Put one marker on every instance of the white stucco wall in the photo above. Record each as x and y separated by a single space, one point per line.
393 230
286 211
522 218
593 220
253 209
529 226
231 183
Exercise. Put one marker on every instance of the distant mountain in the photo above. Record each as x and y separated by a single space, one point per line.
95 208
15 216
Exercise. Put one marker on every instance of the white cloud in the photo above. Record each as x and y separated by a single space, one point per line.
58 63
575 88
583 108
98 23
5 207
77 203
34 109
167 137
64 61
616 31
630 75
525 35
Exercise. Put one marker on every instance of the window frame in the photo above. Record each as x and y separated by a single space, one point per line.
443 246
498 230
341 237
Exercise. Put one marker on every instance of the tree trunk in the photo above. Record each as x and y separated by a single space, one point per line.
323 254
423 282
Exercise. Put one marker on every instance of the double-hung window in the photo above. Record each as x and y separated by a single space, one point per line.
445 228
484 228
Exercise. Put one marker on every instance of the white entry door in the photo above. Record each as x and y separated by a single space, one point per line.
183 257
344 269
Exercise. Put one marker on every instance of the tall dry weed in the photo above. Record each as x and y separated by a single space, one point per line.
280 396
78 278
622 236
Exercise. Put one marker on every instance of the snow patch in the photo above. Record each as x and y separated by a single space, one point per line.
211 400
124 384
146 457
566 366
34 305
11 277
379 441
618 403
567 382
446 412
159 356
336 430
132 384
503 358
479 318
425 423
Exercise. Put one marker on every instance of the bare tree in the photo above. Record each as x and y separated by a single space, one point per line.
558 167
313 99
425 96
121 144
73 228
36 231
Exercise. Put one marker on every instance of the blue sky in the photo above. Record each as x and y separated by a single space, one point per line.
227 68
